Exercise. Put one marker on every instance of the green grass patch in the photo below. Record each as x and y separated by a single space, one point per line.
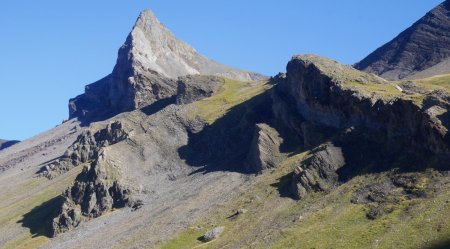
441 82
230 94
40 191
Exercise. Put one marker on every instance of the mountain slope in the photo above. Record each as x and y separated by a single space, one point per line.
147 67
5 143
417 51
322 156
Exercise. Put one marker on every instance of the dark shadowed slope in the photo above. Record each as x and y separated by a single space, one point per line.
5 143
420 51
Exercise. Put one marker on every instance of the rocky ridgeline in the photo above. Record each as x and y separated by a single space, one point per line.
85 149
5 143
366 132
418 52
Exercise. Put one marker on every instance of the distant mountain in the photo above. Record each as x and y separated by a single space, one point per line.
5 143
146 70
420 51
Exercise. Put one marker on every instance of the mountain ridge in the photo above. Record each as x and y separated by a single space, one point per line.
418 48
321 156
7 143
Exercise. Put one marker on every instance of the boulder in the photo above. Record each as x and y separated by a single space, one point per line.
213 234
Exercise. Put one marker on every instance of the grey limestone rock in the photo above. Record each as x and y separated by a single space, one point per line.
316 86
195 87
213 234
96 190
264 149
85 148
318 171
148 64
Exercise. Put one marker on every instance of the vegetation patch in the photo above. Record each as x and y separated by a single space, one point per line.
330 220
231 93
32 210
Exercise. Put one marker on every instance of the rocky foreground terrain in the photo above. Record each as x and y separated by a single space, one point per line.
173 150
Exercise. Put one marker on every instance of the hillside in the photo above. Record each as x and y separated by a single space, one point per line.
5 143
420 51
178 154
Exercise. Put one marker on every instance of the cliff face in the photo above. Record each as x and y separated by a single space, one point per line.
147 67
418 52
369 131
321 91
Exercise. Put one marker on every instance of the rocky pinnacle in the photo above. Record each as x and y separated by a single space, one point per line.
147 67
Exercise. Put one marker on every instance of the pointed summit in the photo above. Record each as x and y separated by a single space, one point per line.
420 51
148 64
151 46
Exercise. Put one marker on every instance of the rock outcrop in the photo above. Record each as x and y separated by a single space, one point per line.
195 87
365 128
418 52
213 234
318 172
96 190
85 149
148 64
264 150
319 90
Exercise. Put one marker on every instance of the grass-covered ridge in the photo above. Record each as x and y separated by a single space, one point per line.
414 90
231 93
439 82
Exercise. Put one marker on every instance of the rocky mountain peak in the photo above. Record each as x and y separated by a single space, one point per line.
151 46
418 52
147 67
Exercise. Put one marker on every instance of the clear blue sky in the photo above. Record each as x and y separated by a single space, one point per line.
50 49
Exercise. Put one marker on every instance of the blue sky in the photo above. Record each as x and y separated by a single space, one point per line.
50 49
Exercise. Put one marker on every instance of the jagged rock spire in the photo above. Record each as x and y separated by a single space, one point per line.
148 64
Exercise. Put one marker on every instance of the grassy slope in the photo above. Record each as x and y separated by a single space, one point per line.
320 220
230 94
389 91
32 194
272 221
437 82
